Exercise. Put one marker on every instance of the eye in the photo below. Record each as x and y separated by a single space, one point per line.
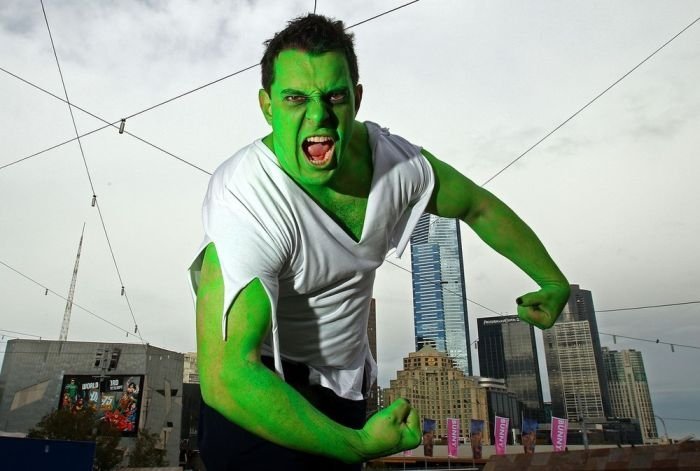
337 98
295 99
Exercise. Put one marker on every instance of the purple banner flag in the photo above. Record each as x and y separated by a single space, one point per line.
452 437
475 431
558 434
501 434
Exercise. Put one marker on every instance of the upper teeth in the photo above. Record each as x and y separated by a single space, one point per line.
319 138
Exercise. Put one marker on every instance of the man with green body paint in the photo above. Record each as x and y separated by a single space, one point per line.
325 164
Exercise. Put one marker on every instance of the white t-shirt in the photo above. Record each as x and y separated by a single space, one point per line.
318 278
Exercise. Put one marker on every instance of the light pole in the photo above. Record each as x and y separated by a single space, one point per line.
665 432
582 418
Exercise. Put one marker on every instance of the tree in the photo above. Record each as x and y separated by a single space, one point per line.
145 452
82 425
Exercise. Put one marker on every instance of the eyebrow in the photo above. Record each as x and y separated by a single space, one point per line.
293 91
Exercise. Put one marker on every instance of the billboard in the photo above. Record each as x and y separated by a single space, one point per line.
115 398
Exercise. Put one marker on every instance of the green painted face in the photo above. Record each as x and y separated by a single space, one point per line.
311 106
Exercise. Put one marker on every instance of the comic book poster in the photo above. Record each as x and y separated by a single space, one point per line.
116 399
428 436
475 432
529 435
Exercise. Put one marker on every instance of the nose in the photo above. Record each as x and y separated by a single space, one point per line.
317 110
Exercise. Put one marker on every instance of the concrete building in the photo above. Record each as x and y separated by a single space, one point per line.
439 390
629 389
577 379
439 295
39 376
191 404
190 372
507 350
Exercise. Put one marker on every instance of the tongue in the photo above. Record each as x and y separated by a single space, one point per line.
318 150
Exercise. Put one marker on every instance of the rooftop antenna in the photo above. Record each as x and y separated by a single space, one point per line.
71 292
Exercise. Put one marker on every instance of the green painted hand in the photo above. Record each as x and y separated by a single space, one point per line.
542 308
391 430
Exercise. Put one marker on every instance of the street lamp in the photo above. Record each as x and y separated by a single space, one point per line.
665 432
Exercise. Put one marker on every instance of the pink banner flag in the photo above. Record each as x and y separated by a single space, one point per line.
558 433
501 434
452 437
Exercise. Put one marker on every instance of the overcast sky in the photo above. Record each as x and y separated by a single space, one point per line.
613 193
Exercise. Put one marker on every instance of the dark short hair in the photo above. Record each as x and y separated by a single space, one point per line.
314 34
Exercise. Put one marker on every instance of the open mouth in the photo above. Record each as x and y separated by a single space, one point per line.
318 149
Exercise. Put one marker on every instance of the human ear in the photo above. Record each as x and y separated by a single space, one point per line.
265 105
358 97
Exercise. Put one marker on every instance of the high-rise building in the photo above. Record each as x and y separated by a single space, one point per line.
507 350
629 389
439 390
577 378
439 295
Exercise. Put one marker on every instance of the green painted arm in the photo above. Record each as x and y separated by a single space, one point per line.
455 196
235 382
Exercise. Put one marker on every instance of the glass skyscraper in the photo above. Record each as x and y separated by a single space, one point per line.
507 350
439 296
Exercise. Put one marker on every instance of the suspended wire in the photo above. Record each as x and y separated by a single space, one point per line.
444 288
615 336
87 169
245 69
49 290
588 104
583 108
65 91
192 91
382 14
52 147
20 333
647 307
119 275
115 124
681 418
437 218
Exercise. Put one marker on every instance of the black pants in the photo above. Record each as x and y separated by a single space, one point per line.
224 446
